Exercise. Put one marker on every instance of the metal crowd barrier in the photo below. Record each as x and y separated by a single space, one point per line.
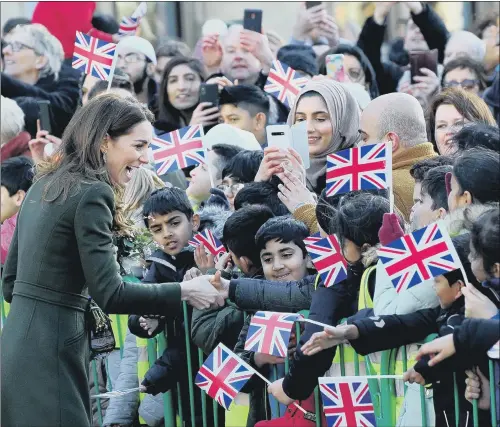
382 391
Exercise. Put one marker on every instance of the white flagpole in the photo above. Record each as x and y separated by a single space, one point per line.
113 66
388 171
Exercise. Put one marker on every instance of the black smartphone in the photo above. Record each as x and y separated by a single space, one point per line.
44 116
310 4
252 20
423 59
209 93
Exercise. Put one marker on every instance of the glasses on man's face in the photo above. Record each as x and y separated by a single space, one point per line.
233 189
132 58
16 46
468 84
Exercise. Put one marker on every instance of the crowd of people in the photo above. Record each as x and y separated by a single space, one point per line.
88 225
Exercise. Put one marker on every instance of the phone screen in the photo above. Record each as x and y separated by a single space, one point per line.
252 20
44 116
335 67
423 59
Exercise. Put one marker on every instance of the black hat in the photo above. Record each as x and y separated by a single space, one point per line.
300 58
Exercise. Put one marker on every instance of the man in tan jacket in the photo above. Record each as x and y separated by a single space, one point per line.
399 119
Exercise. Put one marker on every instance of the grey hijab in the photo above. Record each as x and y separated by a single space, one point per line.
344 115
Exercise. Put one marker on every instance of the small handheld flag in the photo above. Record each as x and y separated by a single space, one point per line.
316 237
284 83
130 24
347 402
93 56
368 167
327 257
269 332
223 375
178 149
211 243
419 256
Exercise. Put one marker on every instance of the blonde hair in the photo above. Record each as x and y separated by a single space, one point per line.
139 188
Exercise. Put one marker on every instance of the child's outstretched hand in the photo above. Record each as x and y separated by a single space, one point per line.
441 348
390 230
203 260
413 376
330 337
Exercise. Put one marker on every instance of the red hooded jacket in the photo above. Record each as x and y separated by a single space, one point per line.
64 19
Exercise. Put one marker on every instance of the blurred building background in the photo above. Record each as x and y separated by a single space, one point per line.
185 19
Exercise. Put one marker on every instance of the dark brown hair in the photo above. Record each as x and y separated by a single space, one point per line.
464 62
167 112
79 158
469 105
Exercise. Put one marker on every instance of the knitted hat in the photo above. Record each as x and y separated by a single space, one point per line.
300 58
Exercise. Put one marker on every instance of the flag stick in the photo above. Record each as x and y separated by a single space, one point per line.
375 377
388 171
113 66
314 322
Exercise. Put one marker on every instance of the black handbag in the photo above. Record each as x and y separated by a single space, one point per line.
101 337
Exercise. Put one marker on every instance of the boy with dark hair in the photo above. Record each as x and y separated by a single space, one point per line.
367 336
432 203
239 238
17 176
247 108
241 170
261 193
169 217
218 157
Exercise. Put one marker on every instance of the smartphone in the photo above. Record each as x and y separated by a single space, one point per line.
300 143
209 93
335 67
423 59
310 4
252 20
44 115
279 136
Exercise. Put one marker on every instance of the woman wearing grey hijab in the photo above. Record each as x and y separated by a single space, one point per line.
332 115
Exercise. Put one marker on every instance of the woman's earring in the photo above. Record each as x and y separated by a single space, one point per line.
104 158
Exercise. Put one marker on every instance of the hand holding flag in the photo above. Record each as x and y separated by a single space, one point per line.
129 25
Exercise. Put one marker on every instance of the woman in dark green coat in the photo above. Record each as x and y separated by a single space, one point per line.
62 246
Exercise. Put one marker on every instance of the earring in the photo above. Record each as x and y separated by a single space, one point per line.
104 157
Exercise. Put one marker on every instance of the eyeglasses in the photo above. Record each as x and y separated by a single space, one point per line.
233 188
132 58
16 46
465 84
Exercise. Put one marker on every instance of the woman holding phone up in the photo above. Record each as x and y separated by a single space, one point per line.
62 248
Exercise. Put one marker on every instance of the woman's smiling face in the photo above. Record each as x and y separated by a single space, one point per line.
312 109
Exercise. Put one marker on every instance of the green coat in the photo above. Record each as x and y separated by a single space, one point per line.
59 250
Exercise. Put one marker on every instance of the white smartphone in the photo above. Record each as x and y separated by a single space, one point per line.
279 136
300 143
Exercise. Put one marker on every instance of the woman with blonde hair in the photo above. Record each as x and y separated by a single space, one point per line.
142 184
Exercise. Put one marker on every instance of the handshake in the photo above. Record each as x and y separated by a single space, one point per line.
204 292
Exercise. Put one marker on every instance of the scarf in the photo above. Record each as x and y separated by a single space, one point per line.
344 114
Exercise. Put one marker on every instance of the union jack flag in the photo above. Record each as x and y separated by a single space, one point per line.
178 149
269 332
284 83
327 257
93 56
223 375
419 256
347 402
130 24
359 168
316 237
211 243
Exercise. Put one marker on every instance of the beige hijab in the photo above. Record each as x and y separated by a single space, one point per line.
344 115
